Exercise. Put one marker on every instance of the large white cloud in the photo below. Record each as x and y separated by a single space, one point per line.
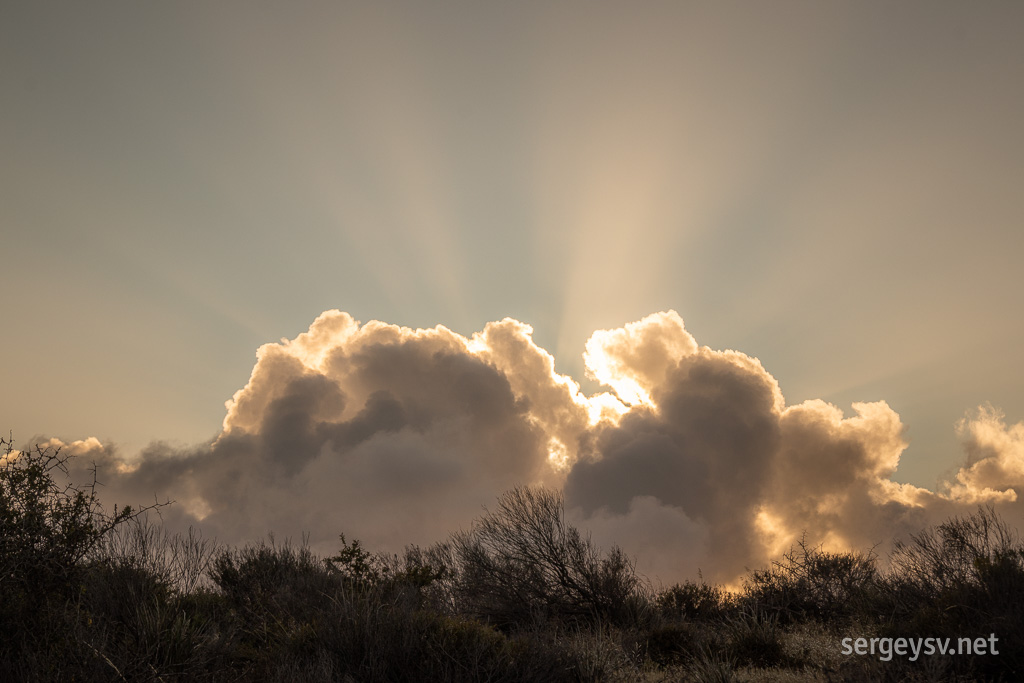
693 461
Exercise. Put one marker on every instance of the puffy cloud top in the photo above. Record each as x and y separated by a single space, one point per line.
693 461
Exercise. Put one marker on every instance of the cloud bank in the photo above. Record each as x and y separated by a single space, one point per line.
692 460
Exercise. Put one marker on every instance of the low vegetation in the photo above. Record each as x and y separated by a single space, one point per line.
87 595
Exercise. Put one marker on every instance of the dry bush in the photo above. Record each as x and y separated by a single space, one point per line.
49 527
694 601
963 578
181 561
809 583
523 563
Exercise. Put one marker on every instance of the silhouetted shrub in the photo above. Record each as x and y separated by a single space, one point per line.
754 638
86 596
523 564
49 526
180 561
693 601
809 583
382 642
143 630
303 617
675 642
963 578
357 566
274 589
413 574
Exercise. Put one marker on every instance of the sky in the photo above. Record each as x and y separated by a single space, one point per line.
832 191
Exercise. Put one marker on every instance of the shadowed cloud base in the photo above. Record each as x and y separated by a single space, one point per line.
691 461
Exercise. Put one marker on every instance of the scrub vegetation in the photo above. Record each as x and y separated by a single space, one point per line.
87 595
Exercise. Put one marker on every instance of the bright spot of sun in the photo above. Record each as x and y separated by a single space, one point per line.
605 406
605 370
558 454
774 535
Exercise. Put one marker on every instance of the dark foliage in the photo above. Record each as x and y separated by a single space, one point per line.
49 526
809 583
964 578
694 601
523 564
523 595
357 615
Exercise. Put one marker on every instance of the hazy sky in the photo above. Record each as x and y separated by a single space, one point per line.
832 188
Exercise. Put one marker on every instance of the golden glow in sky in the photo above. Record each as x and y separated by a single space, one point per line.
406 432
831 190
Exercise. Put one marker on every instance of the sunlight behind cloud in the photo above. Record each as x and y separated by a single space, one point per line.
402 434
832 187
634 359
797 180
777 538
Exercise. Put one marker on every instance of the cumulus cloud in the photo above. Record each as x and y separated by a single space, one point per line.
995 458
388 434
692 461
